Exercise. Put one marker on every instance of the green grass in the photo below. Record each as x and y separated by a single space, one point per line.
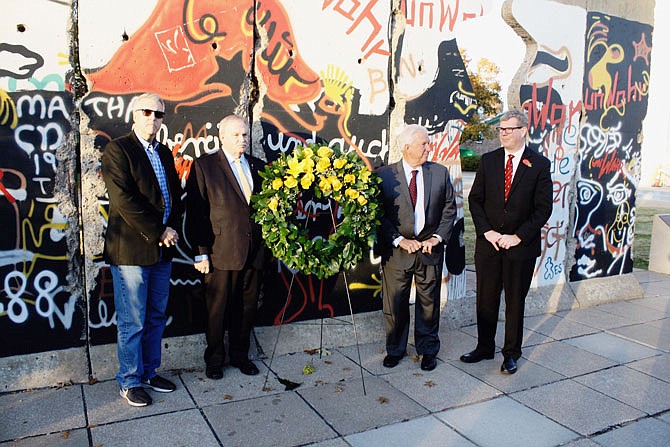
643 223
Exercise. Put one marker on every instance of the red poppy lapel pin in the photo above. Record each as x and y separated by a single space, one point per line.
527 162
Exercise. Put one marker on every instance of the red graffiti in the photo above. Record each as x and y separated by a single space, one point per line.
444 148
425 14
287 76
543 113
359 15
634 91
606 165
4 190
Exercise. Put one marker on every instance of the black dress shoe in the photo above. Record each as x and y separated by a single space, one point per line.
428 362
246 367
214 372
391 361
508 366
475 356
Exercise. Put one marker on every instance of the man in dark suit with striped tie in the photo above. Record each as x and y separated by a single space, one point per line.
419 214
510 201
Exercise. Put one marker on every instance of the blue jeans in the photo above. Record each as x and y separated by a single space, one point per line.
140 297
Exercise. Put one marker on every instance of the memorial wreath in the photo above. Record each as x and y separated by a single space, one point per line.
341 180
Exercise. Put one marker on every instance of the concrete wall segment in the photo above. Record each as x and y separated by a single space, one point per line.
345 73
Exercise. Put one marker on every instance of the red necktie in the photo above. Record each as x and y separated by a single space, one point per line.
508 175
412 188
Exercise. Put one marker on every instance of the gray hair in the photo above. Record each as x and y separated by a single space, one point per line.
406 135
518 114
229 119
147 97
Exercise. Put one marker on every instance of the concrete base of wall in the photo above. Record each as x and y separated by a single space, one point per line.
178 353
71 365
42 369
659 251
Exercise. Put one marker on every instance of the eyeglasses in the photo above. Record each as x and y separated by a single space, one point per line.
508 130
148 112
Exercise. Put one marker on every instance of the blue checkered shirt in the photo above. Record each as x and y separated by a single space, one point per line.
155 160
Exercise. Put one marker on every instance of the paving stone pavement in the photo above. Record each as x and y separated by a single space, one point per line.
591 377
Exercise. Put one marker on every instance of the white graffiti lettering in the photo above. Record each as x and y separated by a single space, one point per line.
15 300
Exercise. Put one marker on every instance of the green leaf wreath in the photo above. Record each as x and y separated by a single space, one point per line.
344 182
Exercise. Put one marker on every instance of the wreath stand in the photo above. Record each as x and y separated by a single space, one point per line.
351 313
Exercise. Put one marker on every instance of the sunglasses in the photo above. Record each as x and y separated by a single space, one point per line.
148 112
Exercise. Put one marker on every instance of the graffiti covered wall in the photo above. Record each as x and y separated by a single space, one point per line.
252 58
339 72
616 87
585 93
41 306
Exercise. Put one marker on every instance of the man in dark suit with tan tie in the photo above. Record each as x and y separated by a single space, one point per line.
419 214
144 211
228 245
510 201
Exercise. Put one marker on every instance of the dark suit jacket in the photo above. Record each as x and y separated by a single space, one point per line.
528 205
219 221
398 220
135 221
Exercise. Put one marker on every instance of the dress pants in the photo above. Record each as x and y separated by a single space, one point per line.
494 274
396 287
232 298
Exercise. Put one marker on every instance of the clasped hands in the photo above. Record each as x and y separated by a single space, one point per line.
412 245
202 266
169 238
502 240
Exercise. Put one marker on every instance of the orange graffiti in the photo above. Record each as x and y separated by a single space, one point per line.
177 52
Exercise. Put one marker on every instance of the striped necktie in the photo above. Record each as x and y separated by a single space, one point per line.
508 175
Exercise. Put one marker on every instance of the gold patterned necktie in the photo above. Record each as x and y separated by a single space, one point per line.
246 189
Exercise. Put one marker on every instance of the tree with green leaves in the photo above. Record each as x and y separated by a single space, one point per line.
486 88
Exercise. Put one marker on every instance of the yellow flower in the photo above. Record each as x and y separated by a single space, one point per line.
324 152
339 163
274 202
308 152
362 200
335 183
295 167
277 183
322 165
364 175
309 164
324 185
306 181
349 178
351 193
290 181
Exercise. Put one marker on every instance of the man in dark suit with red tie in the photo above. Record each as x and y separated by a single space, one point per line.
144 211
228 244
510 201
419 214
